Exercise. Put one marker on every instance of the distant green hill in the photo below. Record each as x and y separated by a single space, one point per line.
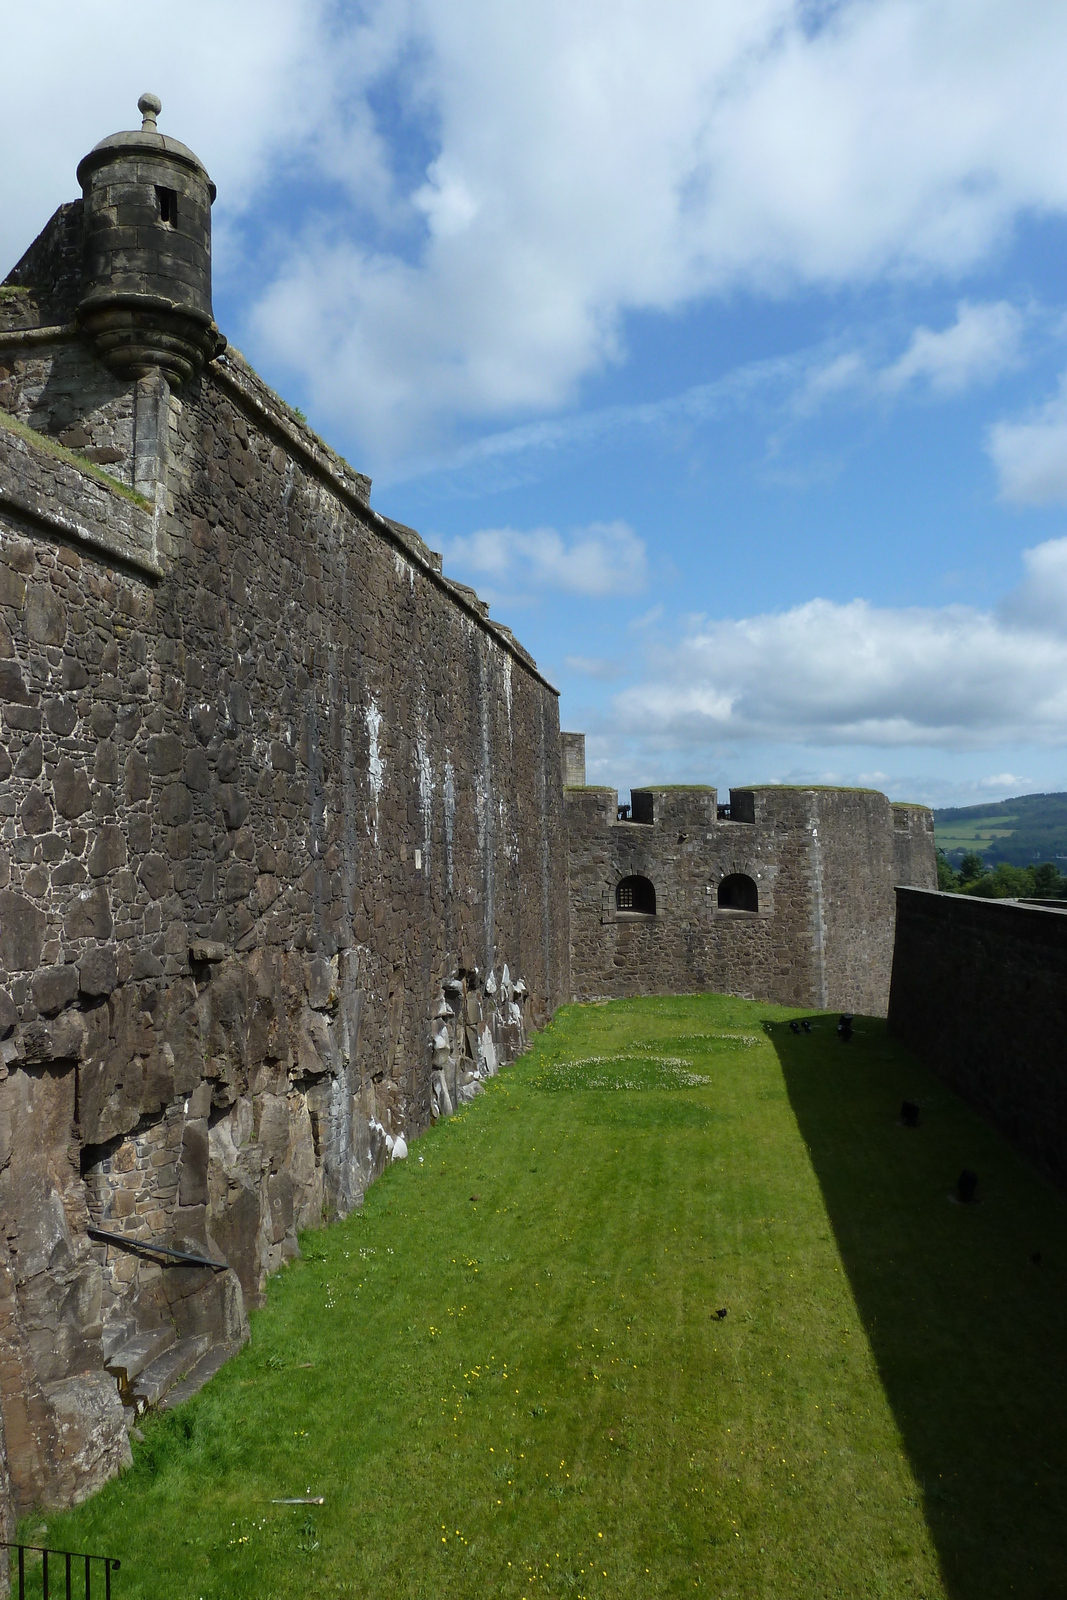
1031 828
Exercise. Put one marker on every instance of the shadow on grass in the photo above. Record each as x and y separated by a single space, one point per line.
969 1332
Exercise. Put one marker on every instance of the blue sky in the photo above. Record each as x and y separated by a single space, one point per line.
722 346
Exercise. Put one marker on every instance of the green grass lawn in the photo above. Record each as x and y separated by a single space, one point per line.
506 1376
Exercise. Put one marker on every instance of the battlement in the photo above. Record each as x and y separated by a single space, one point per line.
782 892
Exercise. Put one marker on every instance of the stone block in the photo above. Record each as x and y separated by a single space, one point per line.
22 930
30 760
175 805
235 807
54 988
192 1180
98 972
70 789
91 1440
35 812
46 618
164 754
108 853
89 916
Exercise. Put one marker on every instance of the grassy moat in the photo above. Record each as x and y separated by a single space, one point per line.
507 1375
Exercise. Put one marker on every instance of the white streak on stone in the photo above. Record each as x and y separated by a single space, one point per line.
375 763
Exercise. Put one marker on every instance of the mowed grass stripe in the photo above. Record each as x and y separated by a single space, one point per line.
506 1375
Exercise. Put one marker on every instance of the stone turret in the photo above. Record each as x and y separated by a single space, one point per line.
146 287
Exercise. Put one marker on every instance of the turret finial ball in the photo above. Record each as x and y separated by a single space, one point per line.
149 105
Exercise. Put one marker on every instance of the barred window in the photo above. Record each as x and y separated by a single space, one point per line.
636 894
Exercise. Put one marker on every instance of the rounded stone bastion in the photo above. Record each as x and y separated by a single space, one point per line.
146 275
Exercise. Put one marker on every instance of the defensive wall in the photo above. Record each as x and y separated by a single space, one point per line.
283 808
279 809
979 993
781 894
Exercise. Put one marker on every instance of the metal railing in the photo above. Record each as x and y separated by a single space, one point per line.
110 1564
145 1245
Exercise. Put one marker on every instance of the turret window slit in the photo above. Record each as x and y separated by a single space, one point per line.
168 206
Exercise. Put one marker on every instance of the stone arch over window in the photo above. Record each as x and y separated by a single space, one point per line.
738 892
637 895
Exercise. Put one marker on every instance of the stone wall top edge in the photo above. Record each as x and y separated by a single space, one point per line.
805 788
1050 921
34 336
243 383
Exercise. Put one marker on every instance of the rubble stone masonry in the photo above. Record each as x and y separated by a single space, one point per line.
276 888
820 866
284 872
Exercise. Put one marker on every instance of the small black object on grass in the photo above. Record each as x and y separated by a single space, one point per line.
909 1114
806 1025
721 1312
844 1027
794 1027
967 1186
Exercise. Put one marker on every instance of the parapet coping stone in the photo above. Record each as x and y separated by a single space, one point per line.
233 373
978 904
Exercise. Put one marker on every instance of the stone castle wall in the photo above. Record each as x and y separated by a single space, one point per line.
277 882
283 876
823 864
980 995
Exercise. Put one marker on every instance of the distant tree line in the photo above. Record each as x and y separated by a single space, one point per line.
1002 882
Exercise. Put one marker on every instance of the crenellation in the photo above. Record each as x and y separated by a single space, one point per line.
784 894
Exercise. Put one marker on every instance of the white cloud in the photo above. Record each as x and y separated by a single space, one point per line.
982 343
551 166
263 98
599 157
603 559
593 667
827 674
1031 456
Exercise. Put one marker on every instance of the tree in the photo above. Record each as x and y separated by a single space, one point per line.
971 867
1049 882
946 878
1003 883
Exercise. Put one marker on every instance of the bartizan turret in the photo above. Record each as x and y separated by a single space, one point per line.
146 287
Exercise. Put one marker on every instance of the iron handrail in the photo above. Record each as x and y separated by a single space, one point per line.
156 1249
111 1564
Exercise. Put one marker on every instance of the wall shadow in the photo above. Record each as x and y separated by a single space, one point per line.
969 1331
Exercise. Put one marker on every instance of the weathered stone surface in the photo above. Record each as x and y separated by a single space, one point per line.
70 787
156 875
30 761
814 931
45 618
91 1439
89 916
35 812
192 1187
98 971
54 988
22 928
108 852
271 784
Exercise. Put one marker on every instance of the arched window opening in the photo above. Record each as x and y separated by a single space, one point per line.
738 892
637 895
